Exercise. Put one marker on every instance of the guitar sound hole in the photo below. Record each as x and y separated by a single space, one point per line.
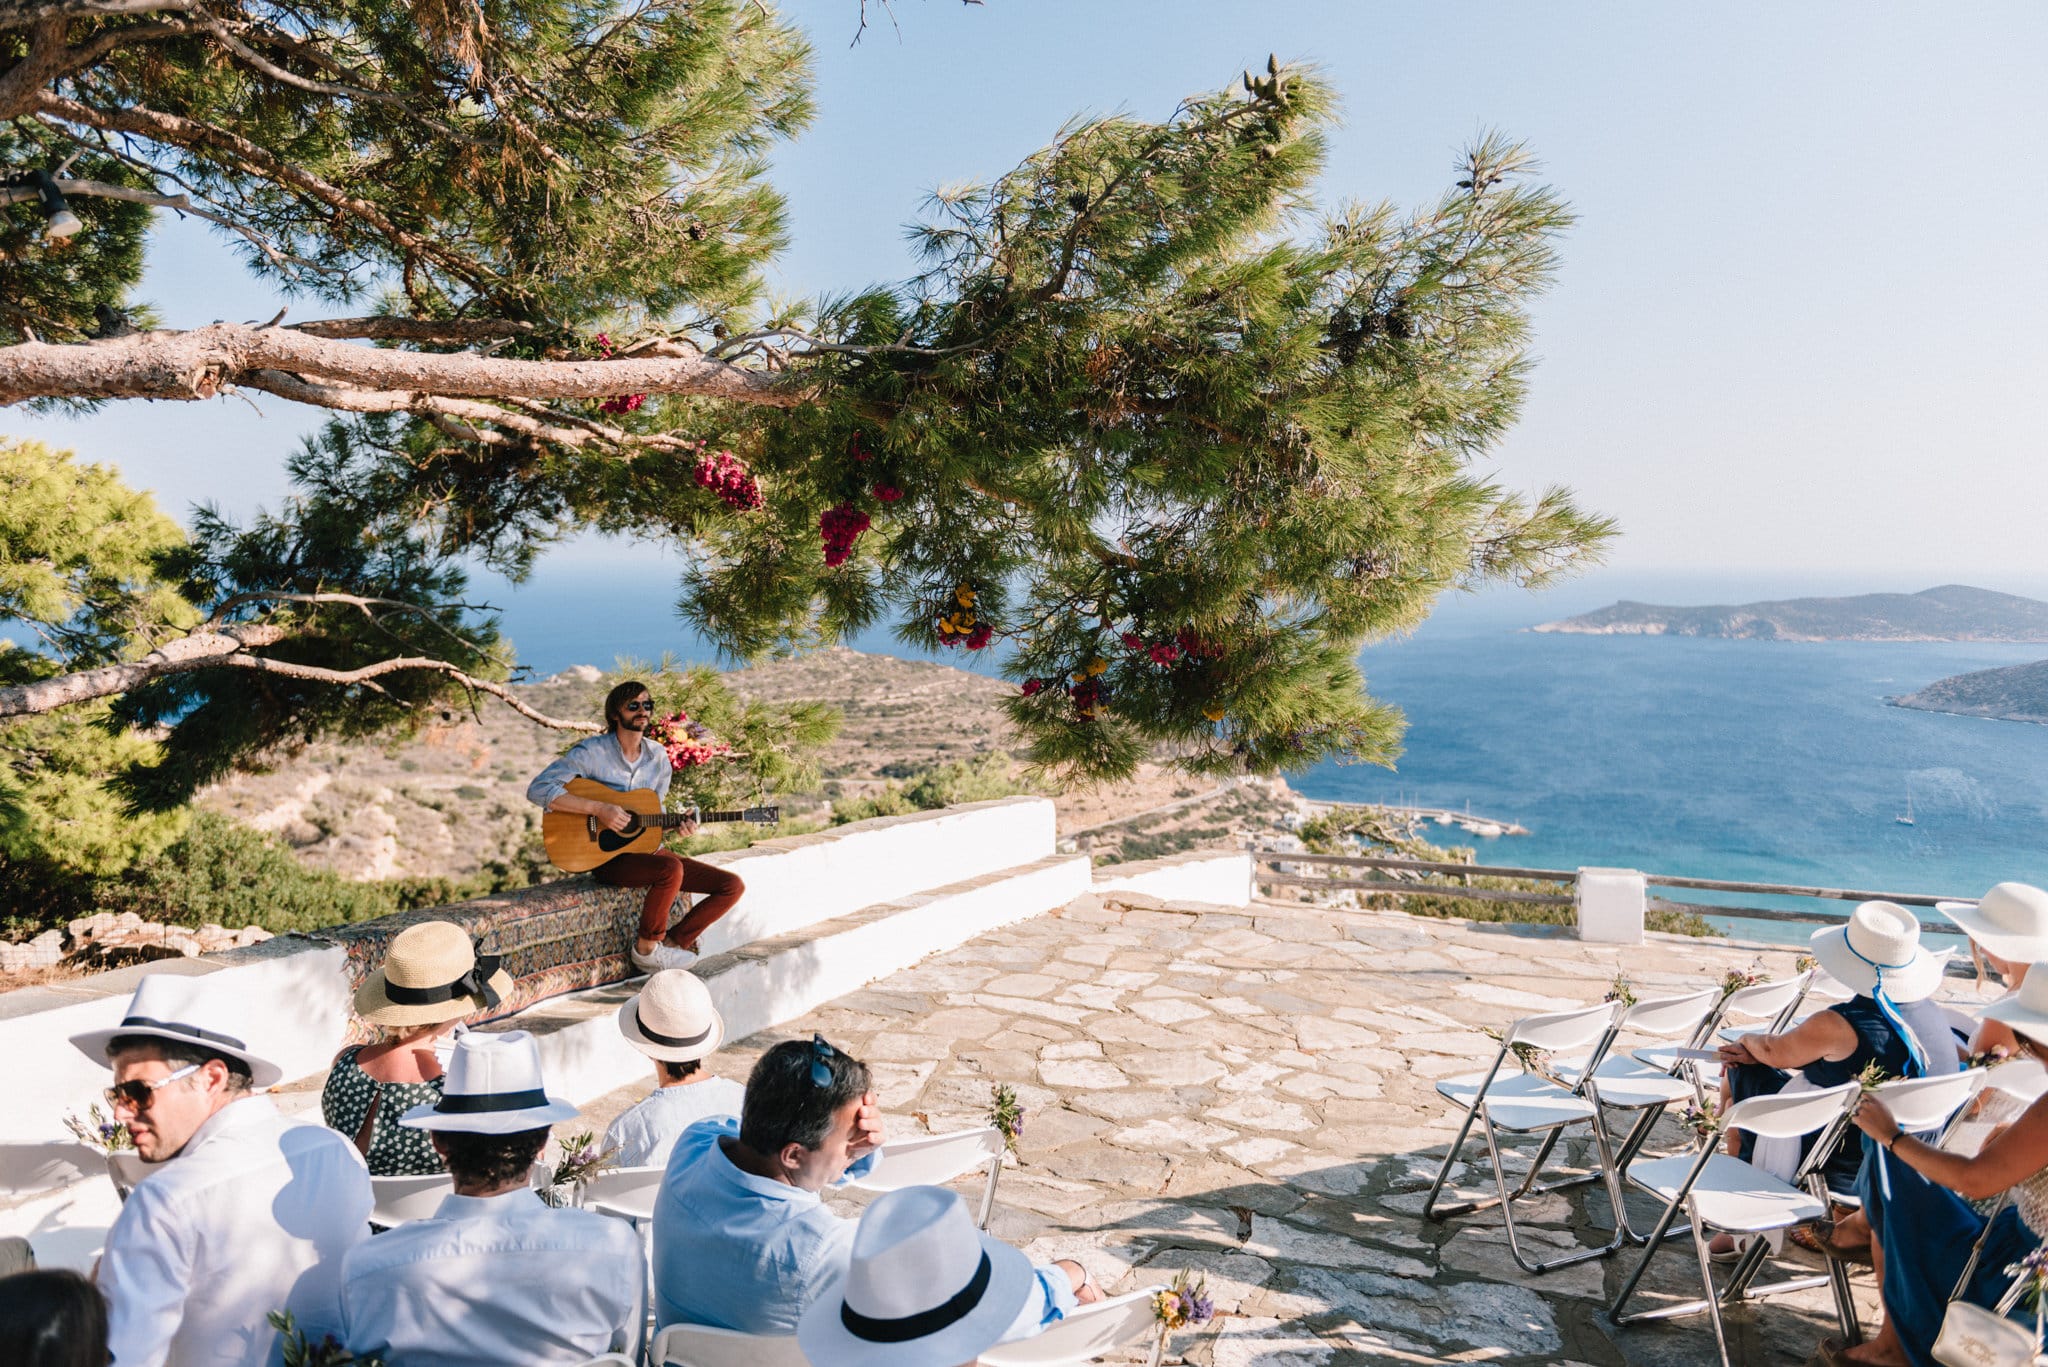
610 840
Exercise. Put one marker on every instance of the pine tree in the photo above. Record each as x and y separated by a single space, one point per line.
1174 439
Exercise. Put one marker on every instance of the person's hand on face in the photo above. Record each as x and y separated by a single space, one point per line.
867 1120
172 1113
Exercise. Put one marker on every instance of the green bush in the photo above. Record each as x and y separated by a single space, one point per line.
973 780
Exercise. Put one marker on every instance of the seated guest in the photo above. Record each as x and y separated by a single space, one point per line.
2008 930
741 1238
673 1022
1891 1021
431 978
495 1276
254 1213
1924 1226
52 1319
923 1288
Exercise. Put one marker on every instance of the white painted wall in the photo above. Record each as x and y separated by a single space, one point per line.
1612 905
1221 877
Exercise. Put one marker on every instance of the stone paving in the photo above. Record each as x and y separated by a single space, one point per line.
1249 1092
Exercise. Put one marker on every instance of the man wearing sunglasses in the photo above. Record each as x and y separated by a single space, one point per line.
622 758
243 1212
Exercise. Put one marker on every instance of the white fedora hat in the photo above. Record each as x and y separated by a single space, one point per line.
188 1011
431 973
2026 1010
1879 945
2010 921
672 1018
923 1288
492 1087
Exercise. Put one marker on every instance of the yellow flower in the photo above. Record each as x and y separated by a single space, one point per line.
1098 665
964 596
1213 713
945 626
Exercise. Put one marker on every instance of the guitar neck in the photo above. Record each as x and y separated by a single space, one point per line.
671 820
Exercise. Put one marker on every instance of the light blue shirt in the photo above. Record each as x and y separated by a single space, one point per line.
599 757
644 1135
491 1280
737 1251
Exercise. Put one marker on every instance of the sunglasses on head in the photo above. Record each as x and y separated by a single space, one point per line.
821 1061
137 1095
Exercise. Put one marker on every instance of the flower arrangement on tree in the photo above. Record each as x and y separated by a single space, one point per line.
959 626
688 744
726 475
299 1351
99 1130
1006 1113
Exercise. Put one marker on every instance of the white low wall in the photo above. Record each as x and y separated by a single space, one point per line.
1222 877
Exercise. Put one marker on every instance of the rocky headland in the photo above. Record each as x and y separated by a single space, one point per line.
2010 693
1952 612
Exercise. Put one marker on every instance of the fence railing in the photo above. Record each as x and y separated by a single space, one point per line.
1264 858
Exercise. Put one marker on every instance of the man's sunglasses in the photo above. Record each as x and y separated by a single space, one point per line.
821 1061
137 1095
636 707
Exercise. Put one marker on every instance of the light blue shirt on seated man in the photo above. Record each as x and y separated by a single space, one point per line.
599 757
737 1251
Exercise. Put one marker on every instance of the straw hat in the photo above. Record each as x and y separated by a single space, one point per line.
672 1018
924 1288
188 1011
2026 1010
431 973
1880 945
2010 921
492 1086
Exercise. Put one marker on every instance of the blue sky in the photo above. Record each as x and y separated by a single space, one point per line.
1796 344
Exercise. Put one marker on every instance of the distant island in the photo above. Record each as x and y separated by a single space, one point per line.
1953 612
2012 693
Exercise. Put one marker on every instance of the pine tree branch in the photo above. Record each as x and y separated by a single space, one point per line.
25 13
98 189
390 329
204 362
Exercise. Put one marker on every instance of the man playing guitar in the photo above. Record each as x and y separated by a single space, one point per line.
622 758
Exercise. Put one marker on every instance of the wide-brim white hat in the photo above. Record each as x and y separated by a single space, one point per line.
492 1086
2026 1009
923 1288
431 973
2010 921
188 1011
1880 942
672 1018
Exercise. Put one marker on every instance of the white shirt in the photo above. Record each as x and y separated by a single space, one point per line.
252 1216
492 1281
644 1135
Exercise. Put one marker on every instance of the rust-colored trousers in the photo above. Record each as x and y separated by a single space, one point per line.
664 874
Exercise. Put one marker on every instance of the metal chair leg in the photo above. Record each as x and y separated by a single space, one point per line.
988 1194
1706 1257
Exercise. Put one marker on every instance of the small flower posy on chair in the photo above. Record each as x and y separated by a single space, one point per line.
1006 1113
98 1130
298 1351
1185 1301
579 1162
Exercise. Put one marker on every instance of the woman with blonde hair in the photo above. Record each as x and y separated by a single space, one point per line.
431 979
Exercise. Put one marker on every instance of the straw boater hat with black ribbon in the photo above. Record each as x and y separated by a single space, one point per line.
672 1018
924 1288
492 1086
186 1011
2010 921
431 973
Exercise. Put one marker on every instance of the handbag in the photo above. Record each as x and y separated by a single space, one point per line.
1972 1336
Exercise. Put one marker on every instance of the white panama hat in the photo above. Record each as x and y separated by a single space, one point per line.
2010 921
923 1288
492 1087
1879 945
188 1011
672 1018
2026 1009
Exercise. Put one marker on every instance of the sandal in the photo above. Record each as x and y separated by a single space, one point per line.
1819 1237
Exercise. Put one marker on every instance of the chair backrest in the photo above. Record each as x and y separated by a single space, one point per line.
1084 1335
1560 1030
394 1200
1926 1103
700 1345
1784 1117
1764 1000
931 1160
622 1182
2021 1077
1669 1016
1826 987
611 1360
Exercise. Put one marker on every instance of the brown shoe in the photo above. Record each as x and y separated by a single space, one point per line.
1819 1237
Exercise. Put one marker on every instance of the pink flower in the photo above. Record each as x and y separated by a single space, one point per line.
1165 653
1132 640
623 403
841 527
888 493
1032 687
979 638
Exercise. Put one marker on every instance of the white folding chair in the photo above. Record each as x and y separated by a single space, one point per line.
627 1193
1084 1335
933 1160
1718 1192
701 1345
1772 1003
1530 1103
1628 1084
394 1200
611 1360
125 1168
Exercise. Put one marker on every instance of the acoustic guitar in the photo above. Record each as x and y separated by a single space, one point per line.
578 843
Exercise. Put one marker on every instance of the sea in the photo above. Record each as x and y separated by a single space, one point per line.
1750 761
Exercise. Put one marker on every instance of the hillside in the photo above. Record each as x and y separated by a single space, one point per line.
1952 612
452 801
2011 693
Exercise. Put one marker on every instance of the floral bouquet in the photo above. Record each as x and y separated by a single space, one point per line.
687 743
1805 963
1532 1059
1738 978
579 1161
98 1130
1988 1058
1620 990
1703 1119
299 1351
1006 1113
1185 1301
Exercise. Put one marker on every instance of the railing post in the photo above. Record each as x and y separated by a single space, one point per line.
1611 905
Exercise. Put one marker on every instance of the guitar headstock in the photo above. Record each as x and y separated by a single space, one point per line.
762 816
